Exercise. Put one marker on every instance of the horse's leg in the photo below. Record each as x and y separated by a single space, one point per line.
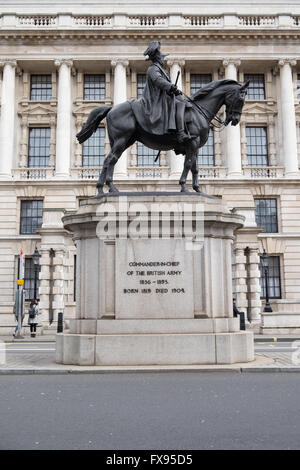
196 186
102 176
118 148
188 163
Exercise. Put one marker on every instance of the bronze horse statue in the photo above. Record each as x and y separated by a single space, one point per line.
123 128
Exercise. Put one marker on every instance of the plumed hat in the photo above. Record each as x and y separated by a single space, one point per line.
153 49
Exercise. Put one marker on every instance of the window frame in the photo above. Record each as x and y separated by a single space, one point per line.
88 144
266 215
33 148
193 88
262 279
22 217
140 87
257 156
256 96
94 97
40 98
207 145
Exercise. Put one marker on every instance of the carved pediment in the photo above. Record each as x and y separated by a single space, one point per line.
259 108
84 108
36 109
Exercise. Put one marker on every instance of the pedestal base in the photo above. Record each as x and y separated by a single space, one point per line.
145 346
153 283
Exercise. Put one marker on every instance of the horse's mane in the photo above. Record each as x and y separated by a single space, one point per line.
210 87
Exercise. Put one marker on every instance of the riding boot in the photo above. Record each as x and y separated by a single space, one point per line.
181 135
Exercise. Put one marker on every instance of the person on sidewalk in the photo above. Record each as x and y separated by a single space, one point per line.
237 313
33 313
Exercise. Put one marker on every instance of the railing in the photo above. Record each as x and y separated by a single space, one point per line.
148 21
264 172
144 21
148 172
33 173
37 20
92 21
202 21
211 172
257 21
86 173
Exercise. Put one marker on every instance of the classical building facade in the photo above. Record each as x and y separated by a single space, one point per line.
60 61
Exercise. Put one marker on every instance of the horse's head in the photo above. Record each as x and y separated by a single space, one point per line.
234 101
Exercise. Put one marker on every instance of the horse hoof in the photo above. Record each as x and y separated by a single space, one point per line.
100 191
184 189
113 190
197 189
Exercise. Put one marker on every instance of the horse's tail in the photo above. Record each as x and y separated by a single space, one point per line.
92 123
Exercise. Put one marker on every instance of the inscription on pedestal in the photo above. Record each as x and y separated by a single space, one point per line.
154 279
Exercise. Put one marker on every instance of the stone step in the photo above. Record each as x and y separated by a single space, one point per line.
155 326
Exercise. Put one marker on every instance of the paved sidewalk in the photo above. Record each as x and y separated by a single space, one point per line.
37 356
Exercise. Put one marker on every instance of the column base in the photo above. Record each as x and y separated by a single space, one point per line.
62 176
5 176
292 174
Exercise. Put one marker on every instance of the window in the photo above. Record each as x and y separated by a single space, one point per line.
29 280
256 89
206 153
31 216
298 86
93 149
141 81
199 80
274 288
40 87
266 214
94 87
146 156
257 147
39 147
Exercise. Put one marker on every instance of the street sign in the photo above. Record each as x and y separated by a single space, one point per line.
20 282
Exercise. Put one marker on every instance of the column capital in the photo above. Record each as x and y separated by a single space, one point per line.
59 62
175 61
229 61
12 62
121 61
291 62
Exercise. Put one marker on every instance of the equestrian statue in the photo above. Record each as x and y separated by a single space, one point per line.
164 118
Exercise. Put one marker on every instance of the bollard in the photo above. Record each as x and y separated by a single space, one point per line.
242 321
60 326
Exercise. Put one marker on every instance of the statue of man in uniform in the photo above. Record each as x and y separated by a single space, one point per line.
161 108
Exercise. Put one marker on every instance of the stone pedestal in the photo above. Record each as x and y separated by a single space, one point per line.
154 283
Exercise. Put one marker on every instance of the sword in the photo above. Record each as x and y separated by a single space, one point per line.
176 81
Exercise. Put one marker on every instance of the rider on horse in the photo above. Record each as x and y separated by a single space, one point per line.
161 107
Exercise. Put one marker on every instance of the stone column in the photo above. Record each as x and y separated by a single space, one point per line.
289 132
239 279
7 120
120 95
63 128
44 289
176 161
233 137
254 275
